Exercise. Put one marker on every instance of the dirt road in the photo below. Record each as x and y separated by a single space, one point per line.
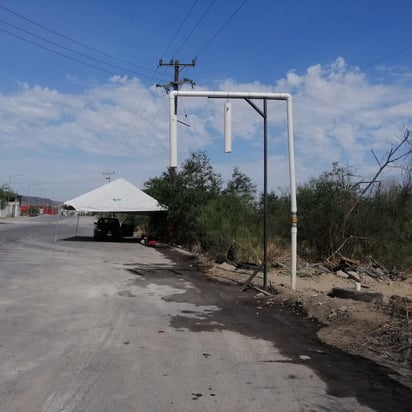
100 326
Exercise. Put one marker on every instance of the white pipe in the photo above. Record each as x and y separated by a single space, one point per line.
293 245
293 211
291 156
173 131
242 95
228 127
233 95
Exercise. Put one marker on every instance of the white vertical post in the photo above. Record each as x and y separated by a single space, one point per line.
237 95
173 131
77 224
228 127
293 211
57 226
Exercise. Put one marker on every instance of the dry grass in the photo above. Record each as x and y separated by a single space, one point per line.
251 251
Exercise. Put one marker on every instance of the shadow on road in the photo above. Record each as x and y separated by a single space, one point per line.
91 239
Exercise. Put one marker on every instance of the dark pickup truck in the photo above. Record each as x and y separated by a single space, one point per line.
109 228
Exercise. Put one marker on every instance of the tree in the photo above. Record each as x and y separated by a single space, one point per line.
197 174
386 220
240 185
323 204
336 215
185 194
278 207
396 153
6 196
229 219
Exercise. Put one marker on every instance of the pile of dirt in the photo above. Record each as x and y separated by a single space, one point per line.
373 328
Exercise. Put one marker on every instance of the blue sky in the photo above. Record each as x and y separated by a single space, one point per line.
348 65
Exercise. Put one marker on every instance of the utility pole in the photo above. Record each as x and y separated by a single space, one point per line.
175 86
108 176
176 81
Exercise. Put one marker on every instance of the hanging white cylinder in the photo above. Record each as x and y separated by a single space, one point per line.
173 132
228 127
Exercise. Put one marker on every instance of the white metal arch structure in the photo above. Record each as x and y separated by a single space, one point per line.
247 96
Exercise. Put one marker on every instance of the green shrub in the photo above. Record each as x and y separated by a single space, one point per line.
335 216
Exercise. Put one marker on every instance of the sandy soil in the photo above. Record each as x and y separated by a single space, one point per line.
378 331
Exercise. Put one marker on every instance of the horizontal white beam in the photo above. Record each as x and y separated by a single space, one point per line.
231 95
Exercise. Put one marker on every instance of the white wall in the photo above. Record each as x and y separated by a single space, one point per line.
11 210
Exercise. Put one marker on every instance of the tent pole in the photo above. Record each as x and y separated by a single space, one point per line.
57 225
77 224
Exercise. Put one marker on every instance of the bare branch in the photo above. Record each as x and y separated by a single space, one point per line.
401 156
382 165
332 256
357 184
376 158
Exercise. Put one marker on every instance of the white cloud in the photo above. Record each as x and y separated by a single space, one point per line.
339 115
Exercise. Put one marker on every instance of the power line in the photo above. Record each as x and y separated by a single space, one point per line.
72 50
220 29
72 40
195 27
180 28
143 112
154 72
389 56
58 53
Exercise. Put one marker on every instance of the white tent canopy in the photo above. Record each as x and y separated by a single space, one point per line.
116 196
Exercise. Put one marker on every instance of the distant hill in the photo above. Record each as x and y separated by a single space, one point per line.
35 200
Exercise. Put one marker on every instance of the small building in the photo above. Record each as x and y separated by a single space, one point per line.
12 208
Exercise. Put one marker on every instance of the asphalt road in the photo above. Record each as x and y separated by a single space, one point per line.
100 326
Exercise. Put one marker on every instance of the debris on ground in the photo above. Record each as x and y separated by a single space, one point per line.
365 309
